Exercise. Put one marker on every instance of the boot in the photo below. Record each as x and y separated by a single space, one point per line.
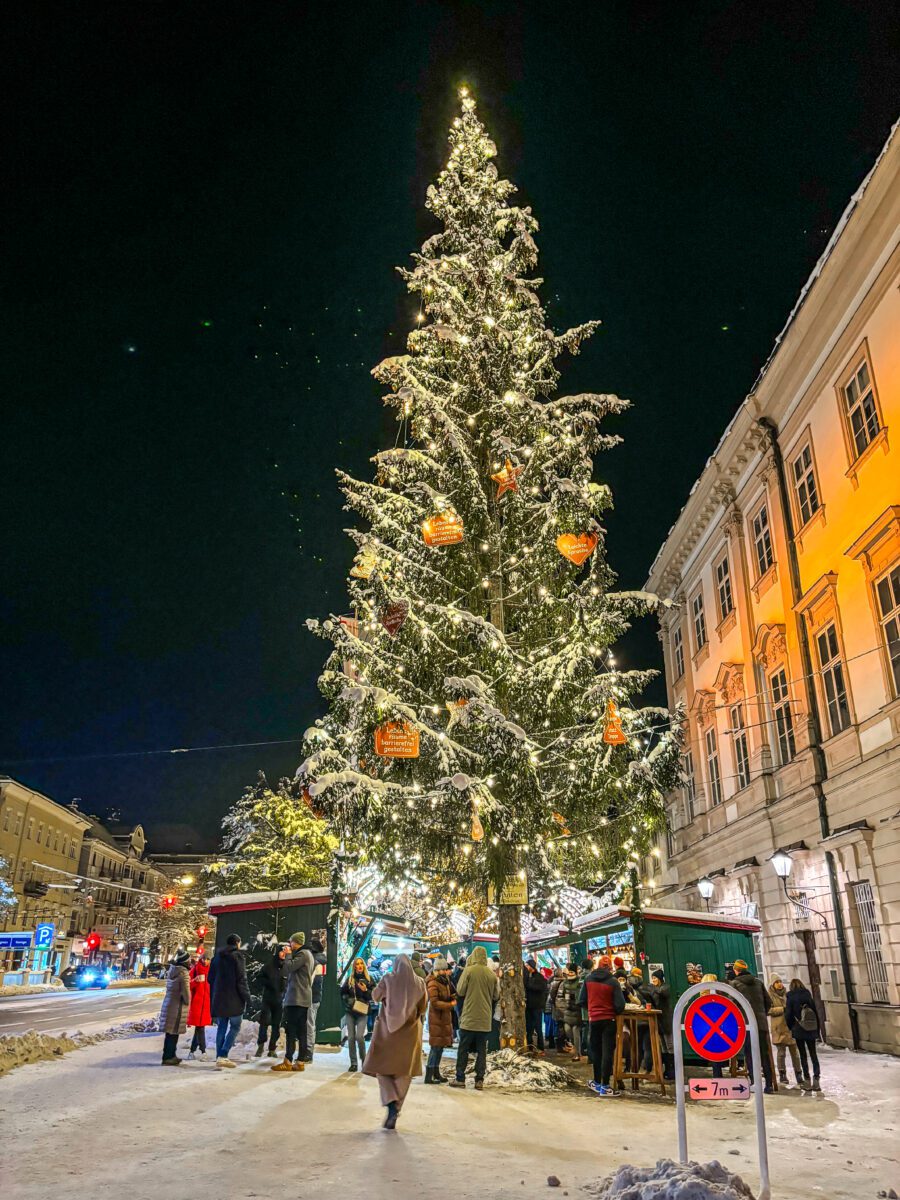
816 1086
438 1077
782 1078
259 1051
805 1084
429 1075
390 1120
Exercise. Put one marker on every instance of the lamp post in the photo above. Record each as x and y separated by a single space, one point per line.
782 865
706 888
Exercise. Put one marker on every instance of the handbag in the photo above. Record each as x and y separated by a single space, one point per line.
360 1007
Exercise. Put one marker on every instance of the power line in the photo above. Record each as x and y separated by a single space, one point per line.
14 762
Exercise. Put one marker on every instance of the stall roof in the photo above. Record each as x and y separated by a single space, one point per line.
263 899
682 915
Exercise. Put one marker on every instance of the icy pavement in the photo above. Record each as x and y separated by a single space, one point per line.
108 1120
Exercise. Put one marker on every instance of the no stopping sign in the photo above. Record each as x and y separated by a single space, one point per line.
715 1028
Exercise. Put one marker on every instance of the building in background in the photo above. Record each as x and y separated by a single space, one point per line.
41 843
782 644
115 876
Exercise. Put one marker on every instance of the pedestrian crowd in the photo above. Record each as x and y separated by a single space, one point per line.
570 1011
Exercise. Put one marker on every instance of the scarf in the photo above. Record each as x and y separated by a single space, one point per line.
402 992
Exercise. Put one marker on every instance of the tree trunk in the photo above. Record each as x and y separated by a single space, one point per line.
512 990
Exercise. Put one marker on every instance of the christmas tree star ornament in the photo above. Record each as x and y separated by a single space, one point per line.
613 734
507 479
577 547
393 615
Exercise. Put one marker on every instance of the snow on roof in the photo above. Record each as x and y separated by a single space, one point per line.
671 914
271 897
826 254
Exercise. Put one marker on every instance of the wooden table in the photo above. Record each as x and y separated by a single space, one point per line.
633 1019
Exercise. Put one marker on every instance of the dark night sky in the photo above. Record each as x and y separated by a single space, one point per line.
262 168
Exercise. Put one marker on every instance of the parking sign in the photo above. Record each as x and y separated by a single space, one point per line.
43 936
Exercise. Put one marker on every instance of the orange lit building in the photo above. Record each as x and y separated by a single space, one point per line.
783 645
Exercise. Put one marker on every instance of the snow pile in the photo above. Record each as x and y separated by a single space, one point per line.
30 989
18 1049
507 1069
670 1180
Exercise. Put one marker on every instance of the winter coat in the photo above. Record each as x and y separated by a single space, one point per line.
602 996
781 1035
356 987
796 1002
400 1052
479 990
297 973
754 992
173 1014
536 989
321 960
227 979
569 992
269 980
558 1001
440 1009
199 1014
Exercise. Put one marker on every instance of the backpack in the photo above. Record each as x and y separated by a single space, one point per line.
809 1021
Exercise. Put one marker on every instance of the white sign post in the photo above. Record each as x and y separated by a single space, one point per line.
734 995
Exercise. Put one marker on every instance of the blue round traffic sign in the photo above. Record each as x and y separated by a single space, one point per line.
714 1027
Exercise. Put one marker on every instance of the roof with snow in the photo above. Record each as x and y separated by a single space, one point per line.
285 897
614 911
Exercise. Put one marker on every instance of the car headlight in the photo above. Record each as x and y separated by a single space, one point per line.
89 977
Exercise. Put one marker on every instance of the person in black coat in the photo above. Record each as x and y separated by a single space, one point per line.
269 979
757 996
803 1021
536 991
229 996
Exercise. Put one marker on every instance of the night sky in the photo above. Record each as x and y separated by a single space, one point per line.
207 204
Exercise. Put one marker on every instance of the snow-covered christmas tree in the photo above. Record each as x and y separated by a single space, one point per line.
478 732
7 894
273 841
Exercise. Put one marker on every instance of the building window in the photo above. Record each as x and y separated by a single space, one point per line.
739 744
670 842
871 938
762 542
678 652
888 593
860 408
55 840
712 767
784 721
833 681
690 787
72 848
699 618
5 820
805 488
30 830
40 832
723 588
18 828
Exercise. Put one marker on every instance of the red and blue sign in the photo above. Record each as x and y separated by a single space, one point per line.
715 1027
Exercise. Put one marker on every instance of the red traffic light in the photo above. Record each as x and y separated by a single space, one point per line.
92 941
169 901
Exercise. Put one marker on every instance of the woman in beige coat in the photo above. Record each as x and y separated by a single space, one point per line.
395 1052
782 1038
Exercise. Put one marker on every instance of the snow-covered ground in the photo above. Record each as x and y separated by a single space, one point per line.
110 1115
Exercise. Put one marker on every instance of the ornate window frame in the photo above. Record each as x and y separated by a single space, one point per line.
819 609
803 441
854 362
877 549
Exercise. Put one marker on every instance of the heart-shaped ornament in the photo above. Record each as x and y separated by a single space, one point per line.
577 547
393 615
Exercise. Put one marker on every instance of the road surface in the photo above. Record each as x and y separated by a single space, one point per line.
55 1012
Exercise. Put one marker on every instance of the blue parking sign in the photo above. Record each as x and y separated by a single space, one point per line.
43 936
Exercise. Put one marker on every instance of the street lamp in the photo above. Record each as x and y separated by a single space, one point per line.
782 864
706 887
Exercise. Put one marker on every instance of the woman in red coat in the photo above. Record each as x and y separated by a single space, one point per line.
198 1014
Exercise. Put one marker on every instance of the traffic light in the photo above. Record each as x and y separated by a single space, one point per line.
92 941
169 901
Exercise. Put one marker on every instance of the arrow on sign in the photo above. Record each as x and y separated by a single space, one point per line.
718 1089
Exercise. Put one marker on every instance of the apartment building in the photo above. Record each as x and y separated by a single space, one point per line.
783 643
40 841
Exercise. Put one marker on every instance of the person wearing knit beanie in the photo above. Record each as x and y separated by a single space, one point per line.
298 939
